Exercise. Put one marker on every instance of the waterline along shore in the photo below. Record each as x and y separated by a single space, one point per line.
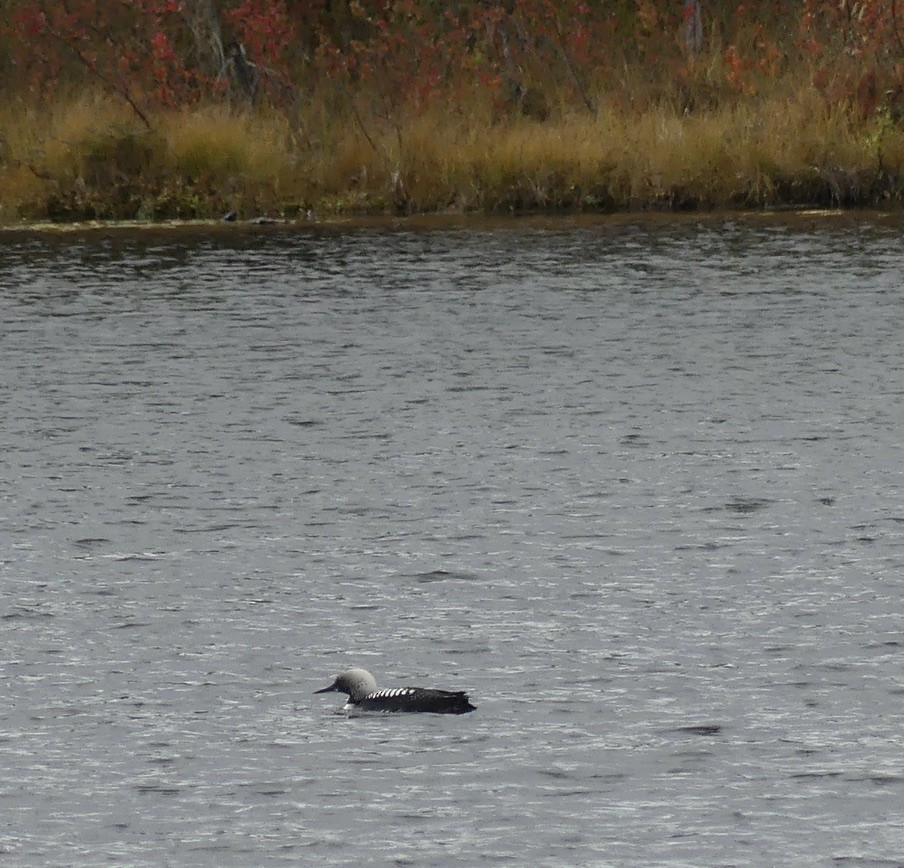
88 159
495 109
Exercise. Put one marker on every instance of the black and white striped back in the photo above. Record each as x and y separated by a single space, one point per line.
416 699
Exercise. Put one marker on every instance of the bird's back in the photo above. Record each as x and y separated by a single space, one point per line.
417 699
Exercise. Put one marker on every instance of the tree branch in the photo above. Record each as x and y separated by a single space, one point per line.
111 86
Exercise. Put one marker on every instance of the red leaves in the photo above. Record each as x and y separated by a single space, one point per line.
266 31
162 50
29 22
414 52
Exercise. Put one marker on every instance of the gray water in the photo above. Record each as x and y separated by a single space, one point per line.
636 487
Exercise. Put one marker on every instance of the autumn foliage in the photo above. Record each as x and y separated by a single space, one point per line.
383 66
413 52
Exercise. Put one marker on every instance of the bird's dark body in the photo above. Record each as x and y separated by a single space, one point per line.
361 688
417 699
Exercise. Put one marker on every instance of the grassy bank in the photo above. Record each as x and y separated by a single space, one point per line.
90 158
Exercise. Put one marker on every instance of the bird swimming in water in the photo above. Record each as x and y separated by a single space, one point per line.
361 688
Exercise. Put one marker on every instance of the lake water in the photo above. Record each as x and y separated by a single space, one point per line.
637 486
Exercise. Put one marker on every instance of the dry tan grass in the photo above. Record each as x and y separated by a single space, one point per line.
218 143
340 154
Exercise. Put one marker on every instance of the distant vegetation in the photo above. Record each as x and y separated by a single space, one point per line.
159 109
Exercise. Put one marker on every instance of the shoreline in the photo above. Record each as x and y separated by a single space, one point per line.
87 159
448 222
394 109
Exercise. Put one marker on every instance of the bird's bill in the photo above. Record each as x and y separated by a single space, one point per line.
329 689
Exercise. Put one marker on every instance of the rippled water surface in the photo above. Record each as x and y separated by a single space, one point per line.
636 487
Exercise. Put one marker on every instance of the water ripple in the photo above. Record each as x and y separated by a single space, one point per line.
636 488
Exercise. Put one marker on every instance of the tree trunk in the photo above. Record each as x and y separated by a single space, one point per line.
203 18
693 26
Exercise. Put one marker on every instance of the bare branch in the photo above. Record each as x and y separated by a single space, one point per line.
111 86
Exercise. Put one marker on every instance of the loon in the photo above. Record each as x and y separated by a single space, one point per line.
363 695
